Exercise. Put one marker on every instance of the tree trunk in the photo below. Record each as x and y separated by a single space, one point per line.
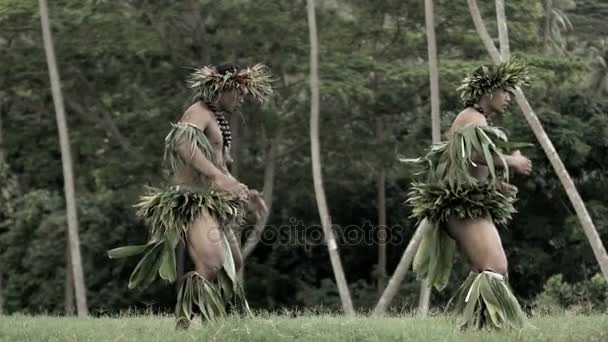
547 33
2 154
381 192
332 246
575 198
66 161
269 176
199 33
1 294
425 290
404 264
2 161
483 33
69 282
433 70
503 31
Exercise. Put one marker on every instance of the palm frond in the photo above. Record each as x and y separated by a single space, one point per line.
254 80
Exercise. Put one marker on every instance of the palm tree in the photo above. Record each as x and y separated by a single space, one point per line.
425 290
556 22
599 67
66 161
503 31
381 207
406 260
2 164
575 198
332 245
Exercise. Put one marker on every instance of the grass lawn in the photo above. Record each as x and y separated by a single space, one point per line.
568 327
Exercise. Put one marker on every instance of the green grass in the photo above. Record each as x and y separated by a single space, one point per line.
568 327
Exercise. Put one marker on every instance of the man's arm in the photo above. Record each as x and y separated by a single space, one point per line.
516 160
197 160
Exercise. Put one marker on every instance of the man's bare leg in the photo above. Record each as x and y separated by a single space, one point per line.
205 246
206 250
478 238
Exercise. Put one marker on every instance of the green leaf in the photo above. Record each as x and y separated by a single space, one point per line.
127 251
145 268
168 267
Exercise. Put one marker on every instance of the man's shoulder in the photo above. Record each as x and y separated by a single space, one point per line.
196 114
469 116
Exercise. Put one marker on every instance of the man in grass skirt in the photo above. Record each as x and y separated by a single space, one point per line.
204 202
465 194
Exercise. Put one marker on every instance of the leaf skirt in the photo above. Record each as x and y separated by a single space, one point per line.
438 201
169 213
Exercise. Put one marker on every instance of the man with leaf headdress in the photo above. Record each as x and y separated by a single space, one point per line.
466 193
204 201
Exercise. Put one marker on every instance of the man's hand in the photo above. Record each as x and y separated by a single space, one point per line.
258 205
520 163
506 188
232 186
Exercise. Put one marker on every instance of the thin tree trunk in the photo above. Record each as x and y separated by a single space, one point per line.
425 289
547 33
69 283
269 176
434 70
2 161
503 31
2 154
575 198
332 246
483 33
402 268
1 295
200 33
424 300
381 192
66 161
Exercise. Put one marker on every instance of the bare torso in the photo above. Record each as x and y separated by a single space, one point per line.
478 238
466 117
203 118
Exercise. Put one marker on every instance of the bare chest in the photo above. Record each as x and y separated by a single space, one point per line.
214 135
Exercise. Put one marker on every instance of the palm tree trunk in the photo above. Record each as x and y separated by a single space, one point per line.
503 31
433 70
332 246
483 33
575 198
381 193
404 264
66 161
547 33
425 289
69 283
1 296
1 162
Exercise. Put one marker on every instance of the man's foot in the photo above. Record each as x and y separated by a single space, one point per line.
182 324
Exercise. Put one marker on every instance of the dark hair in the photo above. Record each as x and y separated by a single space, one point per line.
228 67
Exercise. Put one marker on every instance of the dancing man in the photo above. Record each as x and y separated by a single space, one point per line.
205 201
466 193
